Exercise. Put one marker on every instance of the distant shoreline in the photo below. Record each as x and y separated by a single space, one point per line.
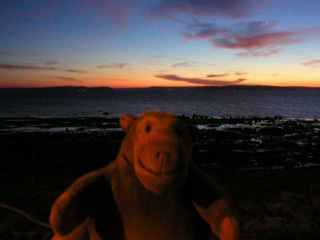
101 88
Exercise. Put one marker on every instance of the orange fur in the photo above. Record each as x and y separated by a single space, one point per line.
151 191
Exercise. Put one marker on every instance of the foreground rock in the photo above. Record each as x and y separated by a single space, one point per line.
41 157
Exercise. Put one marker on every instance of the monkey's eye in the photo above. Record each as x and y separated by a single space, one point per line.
148 128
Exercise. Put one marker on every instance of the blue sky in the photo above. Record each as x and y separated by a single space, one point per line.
159 43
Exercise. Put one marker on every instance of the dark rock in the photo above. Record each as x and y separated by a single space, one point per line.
303 213
34 236
275 209
6 236
248 208
298 224
21 236
249 235
274 234
315 203
304 235
47 236
317 220
315 187
287 196
254 224
275 222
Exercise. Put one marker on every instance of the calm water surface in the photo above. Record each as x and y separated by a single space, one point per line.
302 103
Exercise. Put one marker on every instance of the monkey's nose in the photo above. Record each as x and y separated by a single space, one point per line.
164 160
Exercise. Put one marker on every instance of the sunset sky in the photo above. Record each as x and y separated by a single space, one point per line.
130 43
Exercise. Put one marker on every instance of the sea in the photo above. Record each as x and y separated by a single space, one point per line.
283 112
302 103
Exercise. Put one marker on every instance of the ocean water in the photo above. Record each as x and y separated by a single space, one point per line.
290 103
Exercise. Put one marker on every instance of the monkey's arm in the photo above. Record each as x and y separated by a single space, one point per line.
213 205
80 201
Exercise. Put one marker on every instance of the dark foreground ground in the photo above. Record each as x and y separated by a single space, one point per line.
39 158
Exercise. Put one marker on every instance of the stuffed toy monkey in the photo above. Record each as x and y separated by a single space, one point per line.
152 191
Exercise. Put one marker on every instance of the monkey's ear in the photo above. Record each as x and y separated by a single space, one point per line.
126 121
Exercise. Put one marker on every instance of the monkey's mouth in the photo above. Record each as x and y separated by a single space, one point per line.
162 173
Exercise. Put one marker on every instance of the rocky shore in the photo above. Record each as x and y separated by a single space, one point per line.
269 167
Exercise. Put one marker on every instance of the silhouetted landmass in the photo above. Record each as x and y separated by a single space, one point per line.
55 91
255 87
234 87
90 90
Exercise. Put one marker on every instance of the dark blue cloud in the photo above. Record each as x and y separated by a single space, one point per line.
184 64
75 71
23 67
117 11
69 79
217 75
113 65
228 8
248 35
202 81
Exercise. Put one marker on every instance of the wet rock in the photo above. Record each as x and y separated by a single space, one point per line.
287 196
279 208
247 208
6 236
315 203
298 224
274 234
34 236
21 236
317 220
275 222
249 235
315 187
47 236
304 235
254 224
303 213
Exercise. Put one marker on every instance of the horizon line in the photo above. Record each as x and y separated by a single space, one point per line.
225 86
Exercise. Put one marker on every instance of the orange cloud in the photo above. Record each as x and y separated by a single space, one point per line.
266 53
312 63
251 36
255 42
